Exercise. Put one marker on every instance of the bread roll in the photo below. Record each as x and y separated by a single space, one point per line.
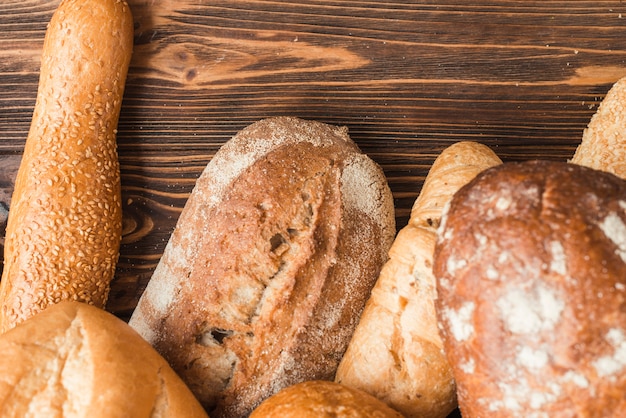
323 399
396 353
76 360
603 145
531 279
64 227
270 264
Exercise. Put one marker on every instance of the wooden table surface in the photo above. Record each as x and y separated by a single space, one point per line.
408 78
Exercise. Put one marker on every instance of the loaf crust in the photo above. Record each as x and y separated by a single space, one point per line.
270 264
76 360
603 145
396 353
531 279
323 399
64 226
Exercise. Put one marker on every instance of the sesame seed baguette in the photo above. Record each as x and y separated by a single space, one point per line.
603 145
396 353
64 227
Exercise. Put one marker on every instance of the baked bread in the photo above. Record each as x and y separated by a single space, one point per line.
396 353
531 278
323 399
270 264
76 360
603 145
65 221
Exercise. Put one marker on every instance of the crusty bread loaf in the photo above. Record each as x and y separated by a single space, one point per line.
455 167
396 353
603 145
531 279
64 227
76 360
323 399
273 257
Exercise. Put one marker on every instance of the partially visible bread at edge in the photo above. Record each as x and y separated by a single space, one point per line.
603 145
268 269
76 360
323 399
65 222
531 279
396 353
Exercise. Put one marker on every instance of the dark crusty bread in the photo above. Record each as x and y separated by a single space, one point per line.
74 360
270 264
65 221
323 399
531 270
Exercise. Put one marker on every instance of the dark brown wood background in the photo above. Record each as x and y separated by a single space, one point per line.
407 77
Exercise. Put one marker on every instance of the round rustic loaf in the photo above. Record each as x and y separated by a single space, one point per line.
273 257
74 360
531 278
323 399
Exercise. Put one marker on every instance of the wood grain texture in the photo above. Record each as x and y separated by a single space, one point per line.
408 79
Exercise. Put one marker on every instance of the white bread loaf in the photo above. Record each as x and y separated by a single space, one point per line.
74 360
531 279
396 353
603 145
270 264
65 221
322 399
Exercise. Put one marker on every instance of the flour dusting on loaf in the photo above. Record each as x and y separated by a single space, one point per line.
270 264
531 283
258 139
360 171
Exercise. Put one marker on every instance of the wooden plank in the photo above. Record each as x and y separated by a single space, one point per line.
408 79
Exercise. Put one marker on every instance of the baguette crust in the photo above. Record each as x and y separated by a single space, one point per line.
64 226
270 264
323 399
603 146
75 360
396 353
531 278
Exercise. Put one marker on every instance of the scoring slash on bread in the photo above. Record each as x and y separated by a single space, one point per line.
64 226
531 278
323 399
74 360
603 145
396 353
270 264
